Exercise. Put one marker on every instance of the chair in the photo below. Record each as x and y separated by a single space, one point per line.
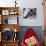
29 33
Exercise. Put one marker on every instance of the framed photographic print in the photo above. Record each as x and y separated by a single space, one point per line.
6 34
13 20
13 12
29 12
5 12
10 19
5 20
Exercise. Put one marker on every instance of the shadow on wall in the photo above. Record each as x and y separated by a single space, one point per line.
37 29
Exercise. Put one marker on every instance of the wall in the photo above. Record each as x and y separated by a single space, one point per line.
7 3
38 21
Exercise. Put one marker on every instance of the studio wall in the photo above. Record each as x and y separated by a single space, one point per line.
38 21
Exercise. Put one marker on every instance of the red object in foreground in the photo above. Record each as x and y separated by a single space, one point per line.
29 33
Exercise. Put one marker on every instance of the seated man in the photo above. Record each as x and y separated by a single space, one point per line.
30 39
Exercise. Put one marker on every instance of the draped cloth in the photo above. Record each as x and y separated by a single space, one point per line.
28 34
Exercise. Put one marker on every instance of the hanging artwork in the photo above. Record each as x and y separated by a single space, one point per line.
9 34
29 12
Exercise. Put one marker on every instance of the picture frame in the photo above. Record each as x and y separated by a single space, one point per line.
6 34
10 20
29 12
13 20
5 12
13 12
9 34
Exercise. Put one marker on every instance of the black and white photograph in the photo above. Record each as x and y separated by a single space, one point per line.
29 12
